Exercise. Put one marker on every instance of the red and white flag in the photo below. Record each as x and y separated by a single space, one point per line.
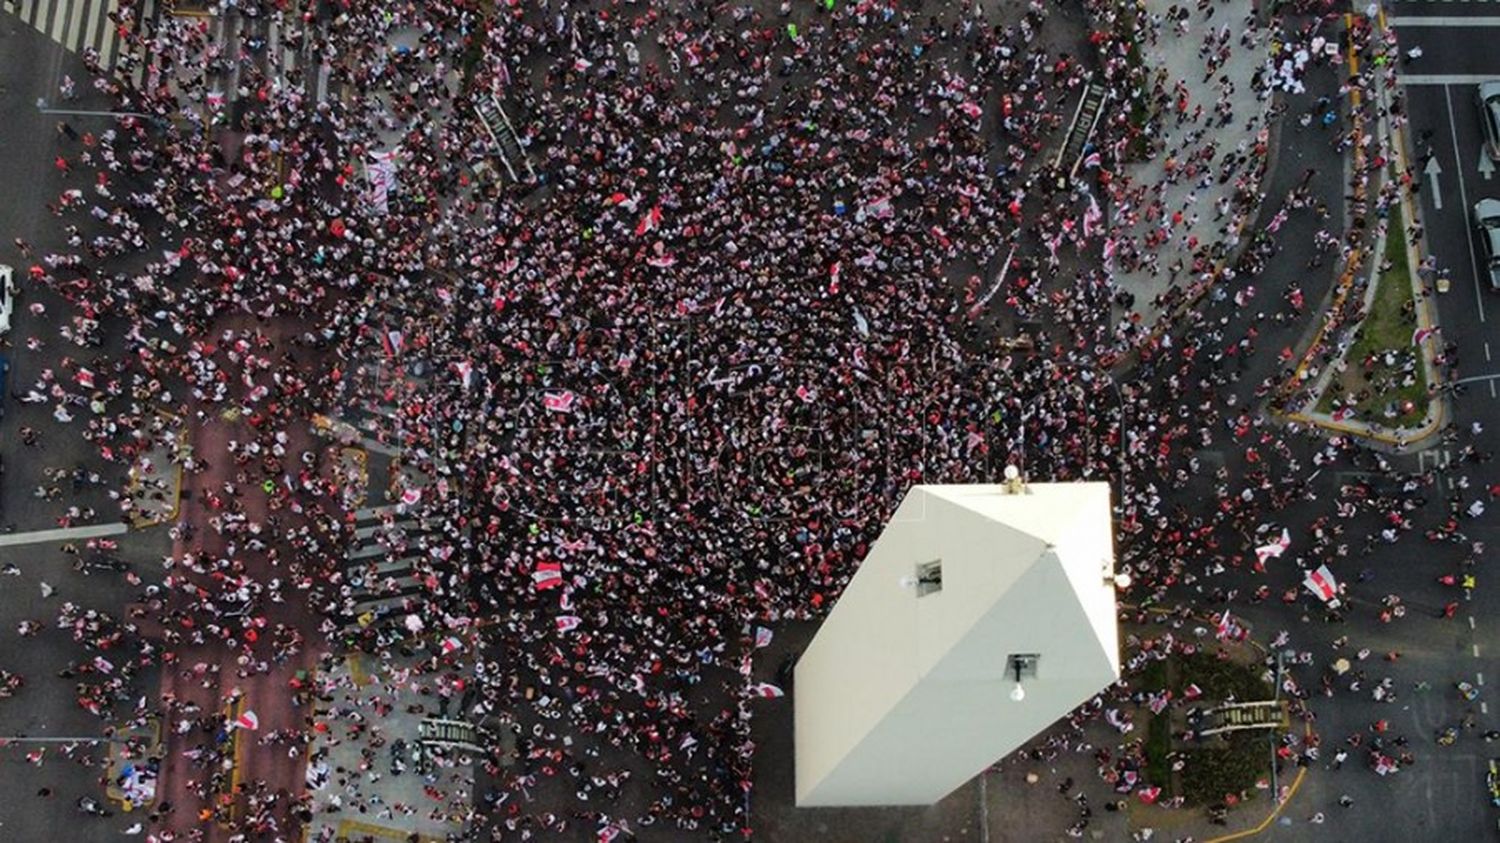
661 261
649 222
807 395
465 371
1322 583
880 208
547 575
1421 334
766 690
1274 549
559 402
247 720
85 378
1228 628
568 622
393 342
451 644
1149 795
1091 217
411 496
762 637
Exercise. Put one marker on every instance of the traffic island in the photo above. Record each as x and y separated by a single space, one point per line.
1374 369
1381 380
1208 723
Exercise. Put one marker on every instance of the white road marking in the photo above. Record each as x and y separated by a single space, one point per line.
109 36
1484 707
91 30
1433 170
1471 626
75 17
1463 196
93 531
60 20
1486 351
1399 22
24 739
1473 378
1493 394
1412 79
1476 651
1479 677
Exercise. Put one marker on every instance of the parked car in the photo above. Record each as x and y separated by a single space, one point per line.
1492 781
7 297
1487 220
1488 97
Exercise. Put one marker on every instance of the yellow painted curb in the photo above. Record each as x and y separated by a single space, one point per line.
1438 408
1301 771
1266 823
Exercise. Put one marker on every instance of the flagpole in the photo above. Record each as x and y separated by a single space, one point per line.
1271 733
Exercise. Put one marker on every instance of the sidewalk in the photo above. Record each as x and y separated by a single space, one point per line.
385 804
1191 220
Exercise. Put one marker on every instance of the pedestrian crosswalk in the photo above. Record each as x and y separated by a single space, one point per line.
386 565
80 24
1438 458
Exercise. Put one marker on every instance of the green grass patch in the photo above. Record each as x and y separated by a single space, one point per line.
1382 347
1230 767
1156 748
1220 679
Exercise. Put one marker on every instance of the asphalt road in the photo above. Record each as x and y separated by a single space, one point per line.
46 705
1443 796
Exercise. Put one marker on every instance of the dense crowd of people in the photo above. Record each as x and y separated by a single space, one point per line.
663 392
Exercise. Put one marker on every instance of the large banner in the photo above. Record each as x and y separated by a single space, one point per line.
382 174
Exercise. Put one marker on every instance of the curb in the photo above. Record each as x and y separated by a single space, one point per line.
1279 805
1426 311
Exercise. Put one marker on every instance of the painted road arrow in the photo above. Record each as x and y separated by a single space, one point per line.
1486 164
1433 171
